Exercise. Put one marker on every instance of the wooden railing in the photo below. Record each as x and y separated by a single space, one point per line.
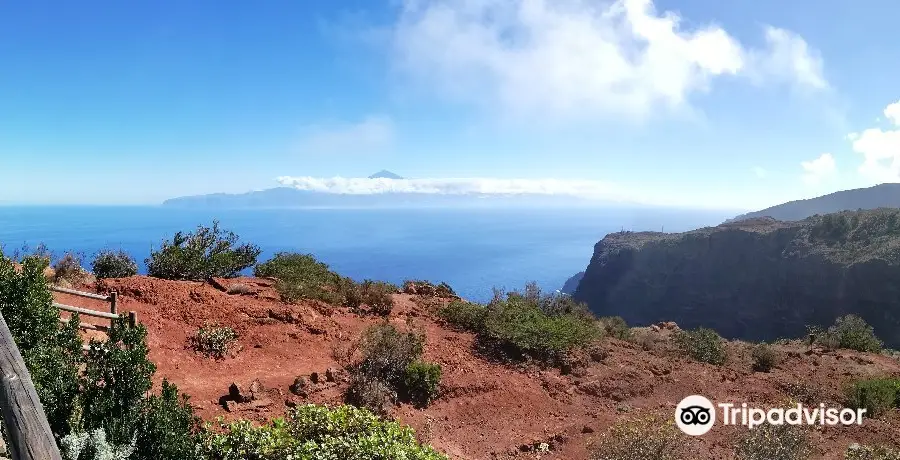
112 315
27 430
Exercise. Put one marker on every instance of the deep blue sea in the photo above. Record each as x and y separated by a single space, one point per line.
472 249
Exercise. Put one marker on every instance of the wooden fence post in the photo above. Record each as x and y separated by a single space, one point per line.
132 319
27 429
113 302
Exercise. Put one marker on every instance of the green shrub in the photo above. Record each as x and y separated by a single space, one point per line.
387 352
51 351
854 333
167 427
858 452
463 315
117 377
650 438
421 382
214 341
774 442
764 357
519 324
301 276
316 432
207 252
428 289
702 344
877 396
615 326
378 296
113 264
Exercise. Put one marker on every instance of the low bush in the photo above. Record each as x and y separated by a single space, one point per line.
877 396
377 296
859 452
214 341
93 446
313 432
765 357
702 344
167 427
615 326
68 269
521 326
206 252
463 315
774 442
428 289
390 367
651 438
850 332
301 276
113 264
421 382
239 289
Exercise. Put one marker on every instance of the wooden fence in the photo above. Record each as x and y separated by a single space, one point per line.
111 315
27 430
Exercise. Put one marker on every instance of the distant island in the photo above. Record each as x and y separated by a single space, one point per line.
286 197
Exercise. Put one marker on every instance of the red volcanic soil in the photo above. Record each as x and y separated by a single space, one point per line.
486 410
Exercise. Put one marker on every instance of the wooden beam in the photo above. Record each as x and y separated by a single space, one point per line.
85 311
86 295
27 430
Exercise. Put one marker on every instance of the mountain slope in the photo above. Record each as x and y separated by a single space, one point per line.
879 196
758 279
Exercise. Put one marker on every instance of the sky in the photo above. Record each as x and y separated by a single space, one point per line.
692 103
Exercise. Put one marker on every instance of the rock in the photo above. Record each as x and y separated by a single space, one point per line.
238 394
755 280
655 328
315 378
332 374
257 391
301 386
587 430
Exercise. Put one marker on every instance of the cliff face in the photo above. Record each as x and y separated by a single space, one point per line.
759 279
572 283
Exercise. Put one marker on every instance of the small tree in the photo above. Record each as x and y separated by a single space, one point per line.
207 252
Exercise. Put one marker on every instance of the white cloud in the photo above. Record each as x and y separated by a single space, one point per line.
372 133
818 170
455 186
582 57
760 172
880 149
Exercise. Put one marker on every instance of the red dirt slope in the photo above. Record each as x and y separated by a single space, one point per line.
486 410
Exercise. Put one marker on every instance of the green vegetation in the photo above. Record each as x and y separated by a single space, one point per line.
702 344
301 276
99 403
421 382
113 264
651 438
774 442
615 326
850 332
207 252
428 289
314 432
764 357
526 324
391 368
214 341
858 452
877 396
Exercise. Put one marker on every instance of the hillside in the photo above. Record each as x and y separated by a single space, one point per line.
486 409
756 279
879 196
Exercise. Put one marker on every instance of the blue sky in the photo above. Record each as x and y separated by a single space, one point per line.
738 104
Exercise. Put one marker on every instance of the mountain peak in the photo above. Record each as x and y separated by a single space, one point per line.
384 174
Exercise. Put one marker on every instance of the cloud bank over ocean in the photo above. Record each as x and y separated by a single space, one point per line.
456 186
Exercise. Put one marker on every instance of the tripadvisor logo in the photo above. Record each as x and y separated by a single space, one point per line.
696 415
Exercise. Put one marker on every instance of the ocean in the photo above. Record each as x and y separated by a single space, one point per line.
473 250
